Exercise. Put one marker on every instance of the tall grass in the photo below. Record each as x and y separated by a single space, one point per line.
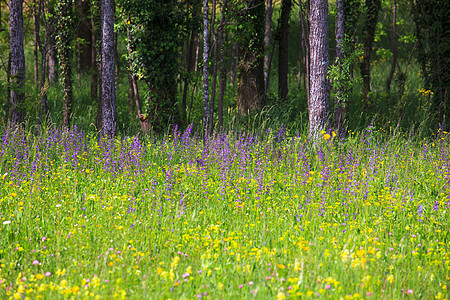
263 215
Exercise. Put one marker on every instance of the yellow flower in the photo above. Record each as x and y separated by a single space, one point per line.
159 270
281 266
280 296
326 136
390 278
39 276
75 289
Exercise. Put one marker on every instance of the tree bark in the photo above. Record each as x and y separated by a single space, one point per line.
283 58
205 67
17 63
394 47
372 9
319 94
267 43
109 115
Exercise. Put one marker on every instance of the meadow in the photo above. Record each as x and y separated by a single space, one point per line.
240 215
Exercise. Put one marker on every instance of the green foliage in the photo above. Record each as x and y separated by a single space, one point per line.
340 72
432 18
154 31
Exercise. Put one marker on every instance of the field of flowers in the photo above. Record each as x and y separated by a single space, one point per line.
267 216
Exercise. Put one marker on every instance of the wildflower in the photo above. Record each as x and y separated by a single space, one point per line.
6 222
390 278
35 262
281 295
39 276
326 136
409 291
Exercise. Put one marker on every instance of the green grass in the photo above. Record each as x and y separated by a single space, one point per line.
237 217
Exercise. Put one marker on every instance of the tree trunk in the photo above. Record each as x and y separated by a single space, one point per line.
234 58
205 67
52 53
394 47
214 74
17 63
319 94
251 87
267 43
372 9
109 115
223 68
65 23
144 121
94 70
189 64
36 37
339 104
8 89
300 48
305 38
44 110
283 58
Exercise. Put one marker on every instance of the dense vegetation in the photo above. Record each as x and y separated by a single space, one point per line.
239 215
224 149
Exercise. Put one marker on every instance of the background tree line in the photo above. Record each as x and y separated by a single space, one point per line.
128 64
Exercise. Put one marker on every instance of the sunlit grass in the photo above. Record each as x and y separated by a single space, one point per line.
234 217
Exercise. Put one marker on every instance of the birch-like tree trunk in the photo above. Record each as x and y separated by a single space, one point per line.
17 59
109 115
319 93
205 66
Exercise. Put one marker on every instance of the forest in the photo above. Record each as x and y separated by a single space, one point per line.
224 149
219 64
